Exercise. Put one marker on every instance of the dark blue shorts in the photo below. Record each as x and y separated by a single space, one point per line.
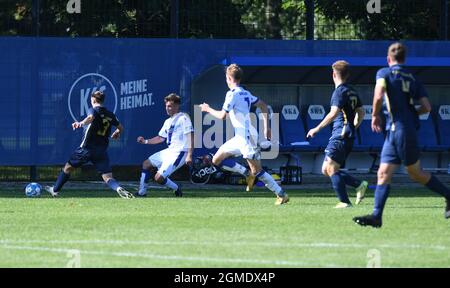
400 146
338 150
99 158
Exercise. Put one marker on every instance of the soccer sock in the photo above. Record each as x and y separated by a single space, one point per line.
435 185
145 176
349 180
60 181
170 184
381 195
270 183
338 184
232 166
112 183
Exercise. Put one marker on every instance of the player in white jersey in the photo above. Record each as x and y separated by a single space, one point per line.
238 102
177 132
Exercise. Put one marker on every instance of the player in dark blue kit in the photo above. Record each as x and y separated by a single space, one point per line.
97 128
400 91
346 114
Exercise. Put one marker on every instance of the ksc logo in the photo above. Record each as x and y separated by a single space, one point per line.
79 99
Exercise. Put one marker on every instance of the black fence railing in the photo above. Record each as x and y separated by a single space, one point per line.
239 19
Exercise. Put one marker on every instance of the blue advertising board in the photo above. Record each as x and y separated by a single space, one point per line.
46 83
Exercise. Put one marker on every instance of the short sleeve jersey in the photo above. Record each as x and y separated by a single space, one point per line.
347 100
175 130
402 90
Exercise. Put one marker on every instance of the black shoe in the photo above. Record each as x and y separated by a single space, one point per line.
178 193
136 194
368 220
447 210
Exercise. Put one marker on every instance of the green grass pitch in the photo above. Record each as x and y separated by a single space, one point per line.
219 229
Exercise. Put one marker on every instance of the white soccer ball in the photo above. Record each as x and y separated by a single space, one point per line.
33 190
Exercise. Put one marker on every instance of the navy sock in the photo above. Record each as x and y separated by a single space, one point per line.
60 181
112 183
339 187
435 185
350 180
381 195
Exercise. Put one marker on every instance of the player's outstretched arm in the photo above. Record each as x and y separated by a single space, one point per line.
86 121
334 112
265 112
190 149
154 140
116 134
378 94
359 117
222 114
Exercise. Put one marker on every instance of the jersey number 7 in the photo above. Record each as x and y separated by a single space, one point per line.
106 124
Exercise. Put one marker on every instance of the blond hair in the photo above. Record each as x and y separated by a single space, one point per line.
341 68
235 72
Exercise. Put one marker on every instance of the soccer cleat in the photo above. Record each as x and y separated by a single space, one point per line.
138 194
368 220
250 182
178 193
361 191
447 210
124 193
282 200
49 189
341 205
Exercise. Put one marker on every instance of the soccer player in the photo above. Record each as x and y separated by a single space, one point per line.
399 89
177 132
237 104
346 114
96 130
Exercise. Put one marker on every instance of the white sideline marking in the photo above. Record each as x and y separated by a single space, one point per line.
206 243
164 257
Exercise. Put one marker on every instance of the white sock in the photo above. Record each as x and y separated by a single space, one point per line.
271 184
170 184
237 168
142 186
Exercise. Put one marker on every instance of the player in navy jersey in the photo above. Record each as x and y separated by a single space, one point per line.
400 90
346 114
93 148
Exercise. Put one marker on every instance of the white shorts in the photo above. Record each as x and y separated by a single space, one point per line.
168 161
238 146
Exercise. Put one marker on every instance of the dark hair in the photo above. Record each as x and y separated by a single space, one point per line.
99 96
172 97
341 68
397 52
